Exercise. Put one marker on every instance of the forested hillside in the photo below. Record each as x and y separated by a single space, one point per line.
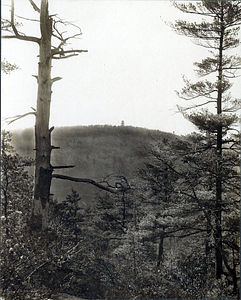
153 215
153 238
97 152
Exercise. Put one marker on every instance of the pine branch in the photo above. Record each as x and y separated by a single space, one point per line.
183 109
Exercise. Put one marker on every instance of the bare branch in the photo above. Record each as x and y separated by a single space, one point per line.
12 18
54 147
19 117
63 57
28 19
17 34
63 167
62 53
63 40
56 79
22 37
35 7
58 35
74 51
6 25
86 180
35 76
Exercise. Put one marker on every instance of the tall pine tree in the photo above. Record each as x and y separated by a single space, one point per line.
218 32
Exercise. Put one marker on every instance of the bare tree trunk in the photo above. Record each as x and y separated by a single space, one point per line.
43 168
43 147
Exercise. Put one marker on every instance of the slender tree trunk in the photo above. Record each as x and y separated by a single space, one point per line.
233 273
234 276
43 169
235 281
160 248
124 210
208 235
6 211
218 205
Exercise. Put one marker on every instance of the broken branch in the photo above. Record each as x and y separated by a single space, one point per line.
56 79
35 76
54 147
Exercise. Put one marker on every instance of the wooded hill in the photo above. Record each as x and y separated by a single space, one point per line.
97 152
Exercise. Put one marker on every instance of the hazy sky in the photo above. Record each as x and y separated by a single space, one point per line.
133 66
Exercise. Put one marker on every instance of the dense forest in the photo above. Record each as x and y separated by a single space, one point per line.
131 213
154 239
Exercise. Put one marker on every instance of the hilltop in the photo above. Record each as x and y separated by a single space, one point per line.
96 151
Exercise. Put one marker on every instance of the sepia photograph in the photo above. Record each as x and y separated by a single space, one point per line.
120 149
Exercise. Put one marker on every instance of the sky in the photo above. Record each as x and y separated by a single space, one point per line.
133 66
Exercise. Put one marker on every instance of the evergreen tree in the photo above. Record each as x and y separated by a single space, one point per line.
218 32
185 211
15 182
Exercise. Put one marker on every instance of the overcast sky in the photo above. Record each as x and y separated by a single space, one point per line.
133 66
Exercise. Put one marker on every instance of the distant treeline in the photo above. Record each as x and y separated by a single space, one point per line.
97 130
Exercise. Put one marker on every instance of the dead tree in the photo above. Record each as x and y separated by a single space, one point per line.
49 28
